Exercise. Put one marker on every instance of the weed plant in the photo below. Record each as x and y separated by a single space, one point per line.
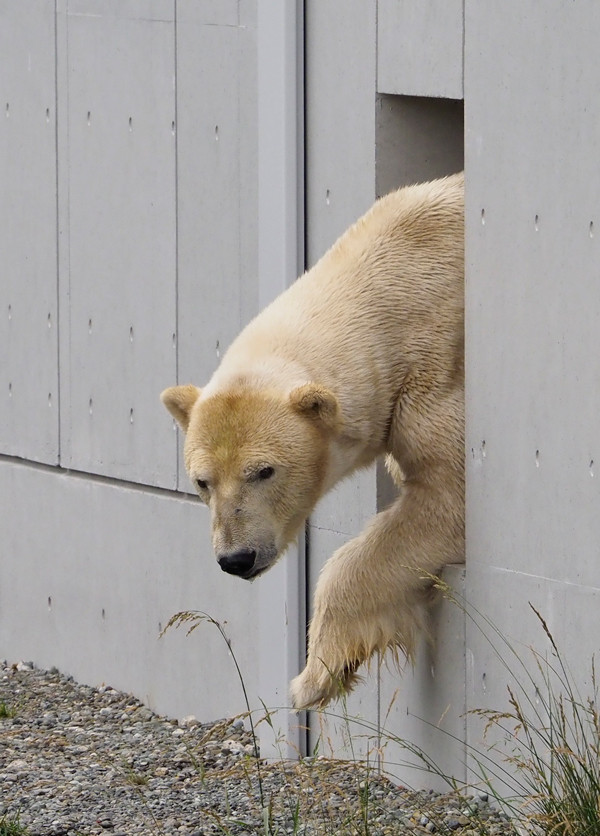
10 826
6 713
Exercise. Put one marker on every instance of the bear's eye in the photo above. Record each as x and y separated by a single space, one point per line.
202 484
265 473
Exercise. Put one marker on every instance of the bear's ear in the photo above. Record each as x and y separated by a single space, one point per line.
179 400
317 403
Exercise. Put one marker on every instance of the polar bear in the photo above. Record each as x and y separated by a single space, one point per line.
361 357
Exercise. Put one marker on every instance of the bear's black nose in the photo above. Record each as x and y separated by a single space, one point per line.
239 563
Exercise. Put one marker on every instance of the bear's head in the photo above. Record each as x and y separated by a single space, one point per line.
259 460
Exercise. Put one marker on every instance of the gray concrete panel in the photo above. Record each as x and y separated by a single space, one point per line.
208 12
531 334
349 728
217 190
152 11
340 119
533 393
425 706
121 269
29 396
420 47
349 506
99 575
502 651
248 156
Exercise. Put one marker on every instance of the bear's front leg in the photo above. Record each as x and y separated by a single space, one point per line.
372 593
335 646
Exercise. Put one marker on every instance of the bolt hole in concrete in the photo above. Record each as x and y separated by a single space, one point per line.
7 110
10 311
103 613
327 197
216 133
537 458
131 416
49 602
592 468
130 123
91 406
50 399
89 326
89 117
483 217
591 229
536 223
10 390
131 334
49 320
47 114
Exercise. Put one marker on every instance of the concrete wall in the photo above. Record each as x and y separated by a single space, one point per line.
148 151
129 261
533 396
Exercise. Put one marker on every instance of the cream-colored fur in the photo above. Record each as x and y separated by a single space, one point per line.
361 357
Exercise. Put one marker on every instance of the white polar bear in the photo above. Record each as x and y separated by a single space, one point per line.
361 357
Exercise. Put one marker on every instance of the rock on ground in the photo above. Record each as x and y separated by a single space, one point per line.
77 761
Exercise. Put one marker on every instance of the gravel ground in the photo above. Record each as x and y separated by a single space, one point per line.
77 761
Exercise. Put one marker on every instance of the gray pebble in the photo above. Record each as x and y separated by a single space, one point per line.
80 760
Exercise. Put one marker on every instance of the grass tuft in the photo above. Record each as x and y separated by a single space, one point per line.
10 826
7 712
